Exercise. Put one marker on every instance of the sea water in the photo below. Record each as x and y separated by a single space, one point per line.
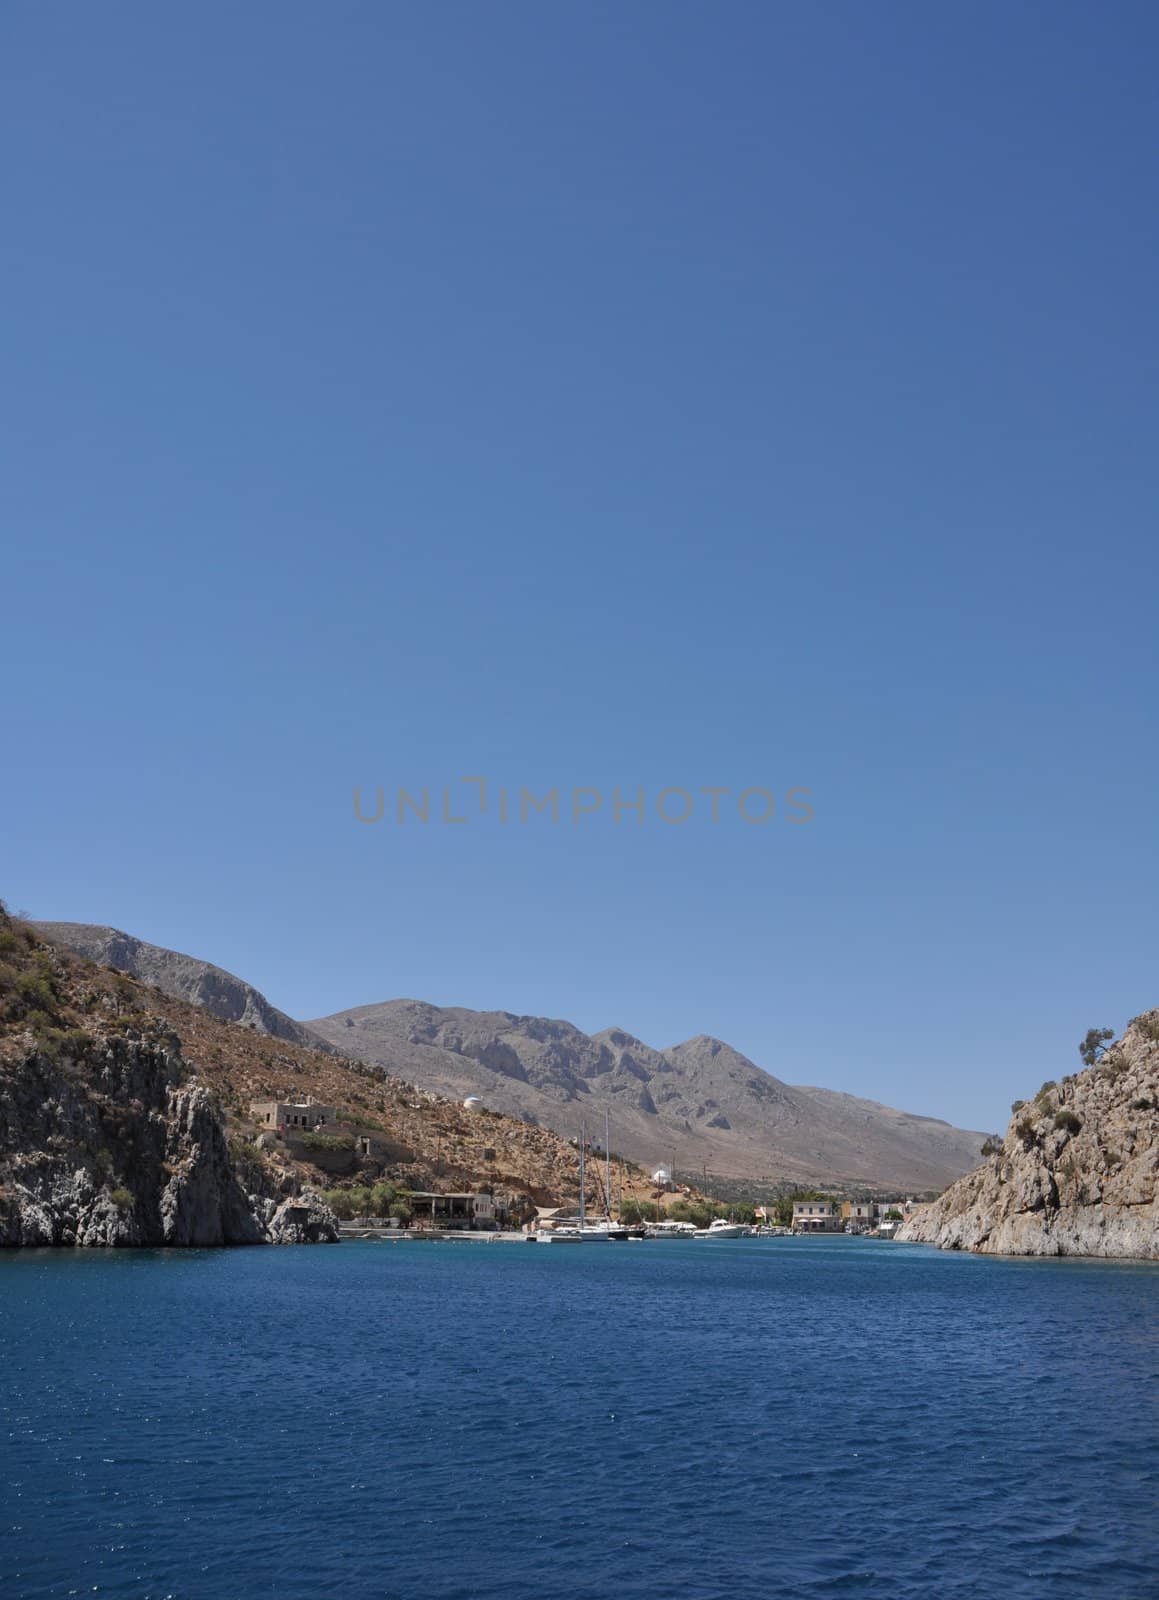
708 1420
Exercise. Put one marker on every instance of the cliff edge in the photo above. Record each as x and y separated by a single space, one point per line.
108 1136
1077 1173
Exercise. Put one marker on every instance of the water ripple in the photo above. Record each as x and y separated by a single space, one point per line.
747 1421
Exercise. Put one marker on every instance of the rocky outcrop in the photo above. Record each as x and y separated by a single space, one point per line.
110 1141
185 977
1077 1173
303 1219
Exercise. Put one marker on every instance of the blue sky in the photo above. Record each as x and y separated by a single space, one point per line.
594 395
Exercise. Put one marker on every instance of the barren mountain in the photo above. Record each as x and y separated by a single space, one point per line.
1078 1171
700 1103
125 1119
184 977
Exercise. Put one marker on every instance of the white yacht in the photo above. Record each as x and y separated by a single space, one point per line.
722 1229
604 1232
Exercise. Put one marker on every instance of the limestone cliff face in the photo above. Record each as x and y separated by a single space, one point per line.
186 977
1078 1171
112 1141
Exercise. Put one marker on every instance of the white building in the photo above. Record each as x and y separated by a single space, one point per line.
817 1216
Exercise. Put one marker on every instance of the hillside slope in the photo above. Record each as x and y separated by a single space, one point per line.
184 977
701 1103
125 1118
1078 1171
107 1134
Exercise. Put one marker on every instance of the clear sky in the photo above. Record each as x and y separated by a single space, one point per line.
654 395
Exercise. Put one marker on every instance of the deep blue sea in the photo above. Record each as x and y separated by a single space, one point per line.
718 1420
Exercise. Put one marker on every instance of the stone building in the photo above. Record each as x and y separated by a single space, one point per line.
282 1116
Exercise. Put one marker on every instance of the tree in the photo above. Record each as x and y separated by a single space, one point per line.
1095 1044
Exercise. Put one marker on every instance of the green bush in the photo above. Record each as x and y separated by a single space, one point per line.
323 1141
1016 1107
1067 1122
1045 1092
122 1199
699 1212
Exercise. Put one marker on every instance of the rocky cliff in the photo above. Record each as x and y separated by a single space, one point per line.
1077 1173
185 977
107 1136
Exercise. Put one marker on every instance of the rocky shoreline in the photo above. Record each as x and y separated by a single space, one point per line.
1077 1173
109 1137
115 1143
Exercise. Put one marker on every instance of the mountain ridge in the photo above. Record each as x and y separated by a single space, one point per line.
699 1104
185 977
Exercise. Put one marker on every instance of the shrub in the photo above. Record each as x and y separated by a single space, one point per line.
1142 1103
1045 1092
323 1141
1025 1132
1147 1024
991 1147
122 1199
57 1043
382 1197
1067 1122
1016 1107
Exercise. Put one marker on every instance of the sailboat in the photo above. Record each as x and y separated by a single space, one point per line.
604 1231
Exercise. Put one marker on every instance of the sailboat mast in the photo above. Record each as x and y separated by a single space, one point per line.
583 1172
608 1162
